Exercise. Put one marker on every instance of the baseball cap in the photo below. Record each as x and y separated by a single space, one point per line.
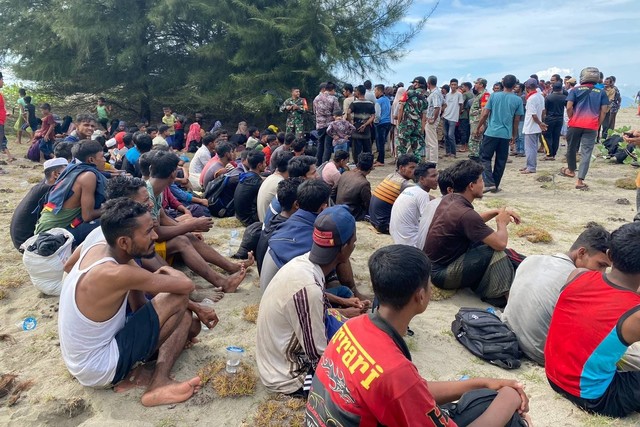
55 162
420 80
331 230
531 83
482 81
572 80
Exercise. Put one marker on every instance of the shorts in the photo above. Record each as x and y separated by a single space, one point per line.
621 398
161 249
137 341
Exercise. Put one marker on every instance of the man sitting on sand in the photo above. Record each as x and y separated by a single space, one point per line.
295 238
195 253
596 318
26 214
386 193
464 250
354 189
74 201
538 283
411 205
291 333
99 344
366 377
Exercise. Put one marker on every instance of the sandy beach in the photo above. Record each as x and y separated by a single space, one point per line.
545 200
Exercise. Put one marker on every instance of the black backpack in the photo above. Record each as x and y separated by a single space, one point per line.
484 335
219 194
473 404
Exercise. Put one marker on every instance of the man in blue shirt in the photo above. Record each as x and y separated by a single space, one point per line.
501 115
383 122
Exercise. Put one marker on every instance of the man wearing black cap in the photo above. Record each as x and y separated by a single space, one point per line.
412 118
291 335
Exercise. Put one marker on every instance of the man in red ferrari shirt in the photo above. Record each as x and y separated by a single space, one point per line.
366 378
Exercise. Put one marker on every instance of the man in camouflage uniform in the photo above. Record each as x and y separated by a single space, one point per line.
479 101
412 118
295 107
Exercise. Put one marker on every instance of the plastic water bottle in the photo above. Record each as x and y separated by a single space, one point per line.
234 355
207 305
28 324
491 310
234 242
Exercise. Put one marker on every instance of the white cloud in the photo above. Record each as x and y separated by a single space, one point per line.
489 40
546 74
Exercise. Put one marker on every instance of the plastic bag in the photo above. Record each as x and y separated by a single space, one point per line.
46 272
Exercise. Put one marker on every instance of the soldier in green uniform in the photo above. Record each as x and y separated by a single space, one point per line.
479 101
412 118
295 107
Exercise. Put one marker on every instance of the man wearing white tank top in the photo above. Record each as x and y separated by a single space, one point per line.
100 344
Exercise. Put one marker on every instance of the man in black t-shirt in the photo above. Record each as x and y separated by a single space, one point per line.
245 198
465 251
362 112
25 217
554 105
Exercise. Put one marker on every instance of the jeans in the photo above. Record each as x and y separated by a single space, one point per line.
450 136
382 131
342 146
322 139
490 146
520 138
531 150
585 139
552 135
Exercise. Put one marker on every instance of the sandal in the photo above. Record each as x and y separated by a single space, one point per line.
549 158
564 171
526 172
583 187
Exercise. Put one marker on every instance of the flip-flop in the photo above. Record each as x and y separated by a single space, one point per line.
563 172
583 187
526 171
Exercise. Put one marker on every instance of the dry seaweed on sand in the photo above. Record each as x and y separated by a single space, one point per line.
279 411
438 294
534 234
250 313
7 337
626 183
242 383
17 391
6 383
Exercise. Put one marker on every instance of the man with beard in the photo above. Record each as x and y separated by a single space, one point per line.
99 345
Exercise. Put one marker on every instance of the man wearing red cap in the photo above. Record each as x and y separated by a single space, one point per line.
291 334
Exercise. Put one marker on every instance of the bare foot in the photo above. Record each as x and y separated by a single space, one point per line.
172 392
234 280
138 377
214 294
244 263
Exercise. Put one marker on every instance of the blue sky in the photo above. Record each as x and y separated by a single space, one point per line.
489 38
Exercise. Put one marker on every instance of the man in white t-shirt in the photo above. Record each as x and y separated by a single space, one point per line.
410 206
533 125
537 285
269 186
452 107
200 159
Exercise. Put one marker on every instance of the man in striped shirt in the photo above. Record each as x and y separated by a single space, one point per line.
386 193
291 334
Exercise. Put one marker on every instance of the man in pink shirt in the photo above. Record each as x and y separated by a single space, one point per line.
333 169
3 117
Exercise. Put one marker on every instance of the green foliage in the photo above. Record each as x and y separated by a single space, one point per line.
230 58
